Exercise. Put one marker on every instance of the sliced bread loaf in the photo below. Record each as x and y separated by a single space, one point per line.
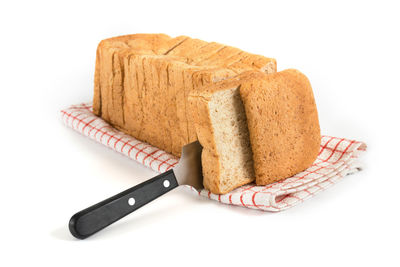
142 82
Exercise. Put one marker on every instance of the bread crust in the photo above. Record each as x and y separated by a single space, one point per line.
283 124
129 96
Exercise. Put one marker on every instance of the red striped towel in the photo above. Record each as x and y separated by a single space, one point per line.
337 158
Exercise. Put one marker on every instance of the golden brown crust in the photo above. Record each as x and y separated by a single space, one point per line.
180 103
163 94
131 102
105 71
155 137
173 115
187 48
133 95
189 86
117 112
283 124
97 90
206 52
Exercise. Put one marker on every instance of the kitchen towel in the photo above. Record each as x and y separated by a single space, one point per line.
337 158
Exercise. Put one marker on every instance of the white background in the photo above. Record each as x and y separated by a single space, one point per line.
348 49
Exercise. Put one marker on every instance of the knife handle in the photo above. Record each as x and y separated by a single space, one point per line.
93 219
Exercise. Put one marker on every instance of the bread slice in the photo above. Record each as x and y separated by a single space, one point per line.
221 126
283 124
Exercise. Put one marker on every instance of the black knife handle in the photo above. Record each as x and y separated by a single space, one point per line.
93 219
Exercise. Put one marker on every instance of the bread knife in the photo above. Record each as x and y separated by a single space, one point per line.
94 218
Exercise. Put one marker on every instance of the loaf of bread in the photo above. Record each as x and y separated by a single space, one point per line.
142 83
253 123
283 124
255 127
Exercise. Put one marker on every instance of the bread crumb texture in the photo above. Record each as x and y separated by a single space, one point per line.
220 122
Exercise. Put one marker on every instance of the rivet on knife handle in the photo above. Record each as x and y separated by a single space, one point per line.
91 220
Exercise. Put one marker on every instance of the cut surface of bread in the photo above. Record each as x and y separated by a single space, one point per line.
220 122
142 82
283 124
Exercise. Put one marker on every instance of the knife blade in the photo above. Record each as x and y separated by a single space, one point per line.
94 218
